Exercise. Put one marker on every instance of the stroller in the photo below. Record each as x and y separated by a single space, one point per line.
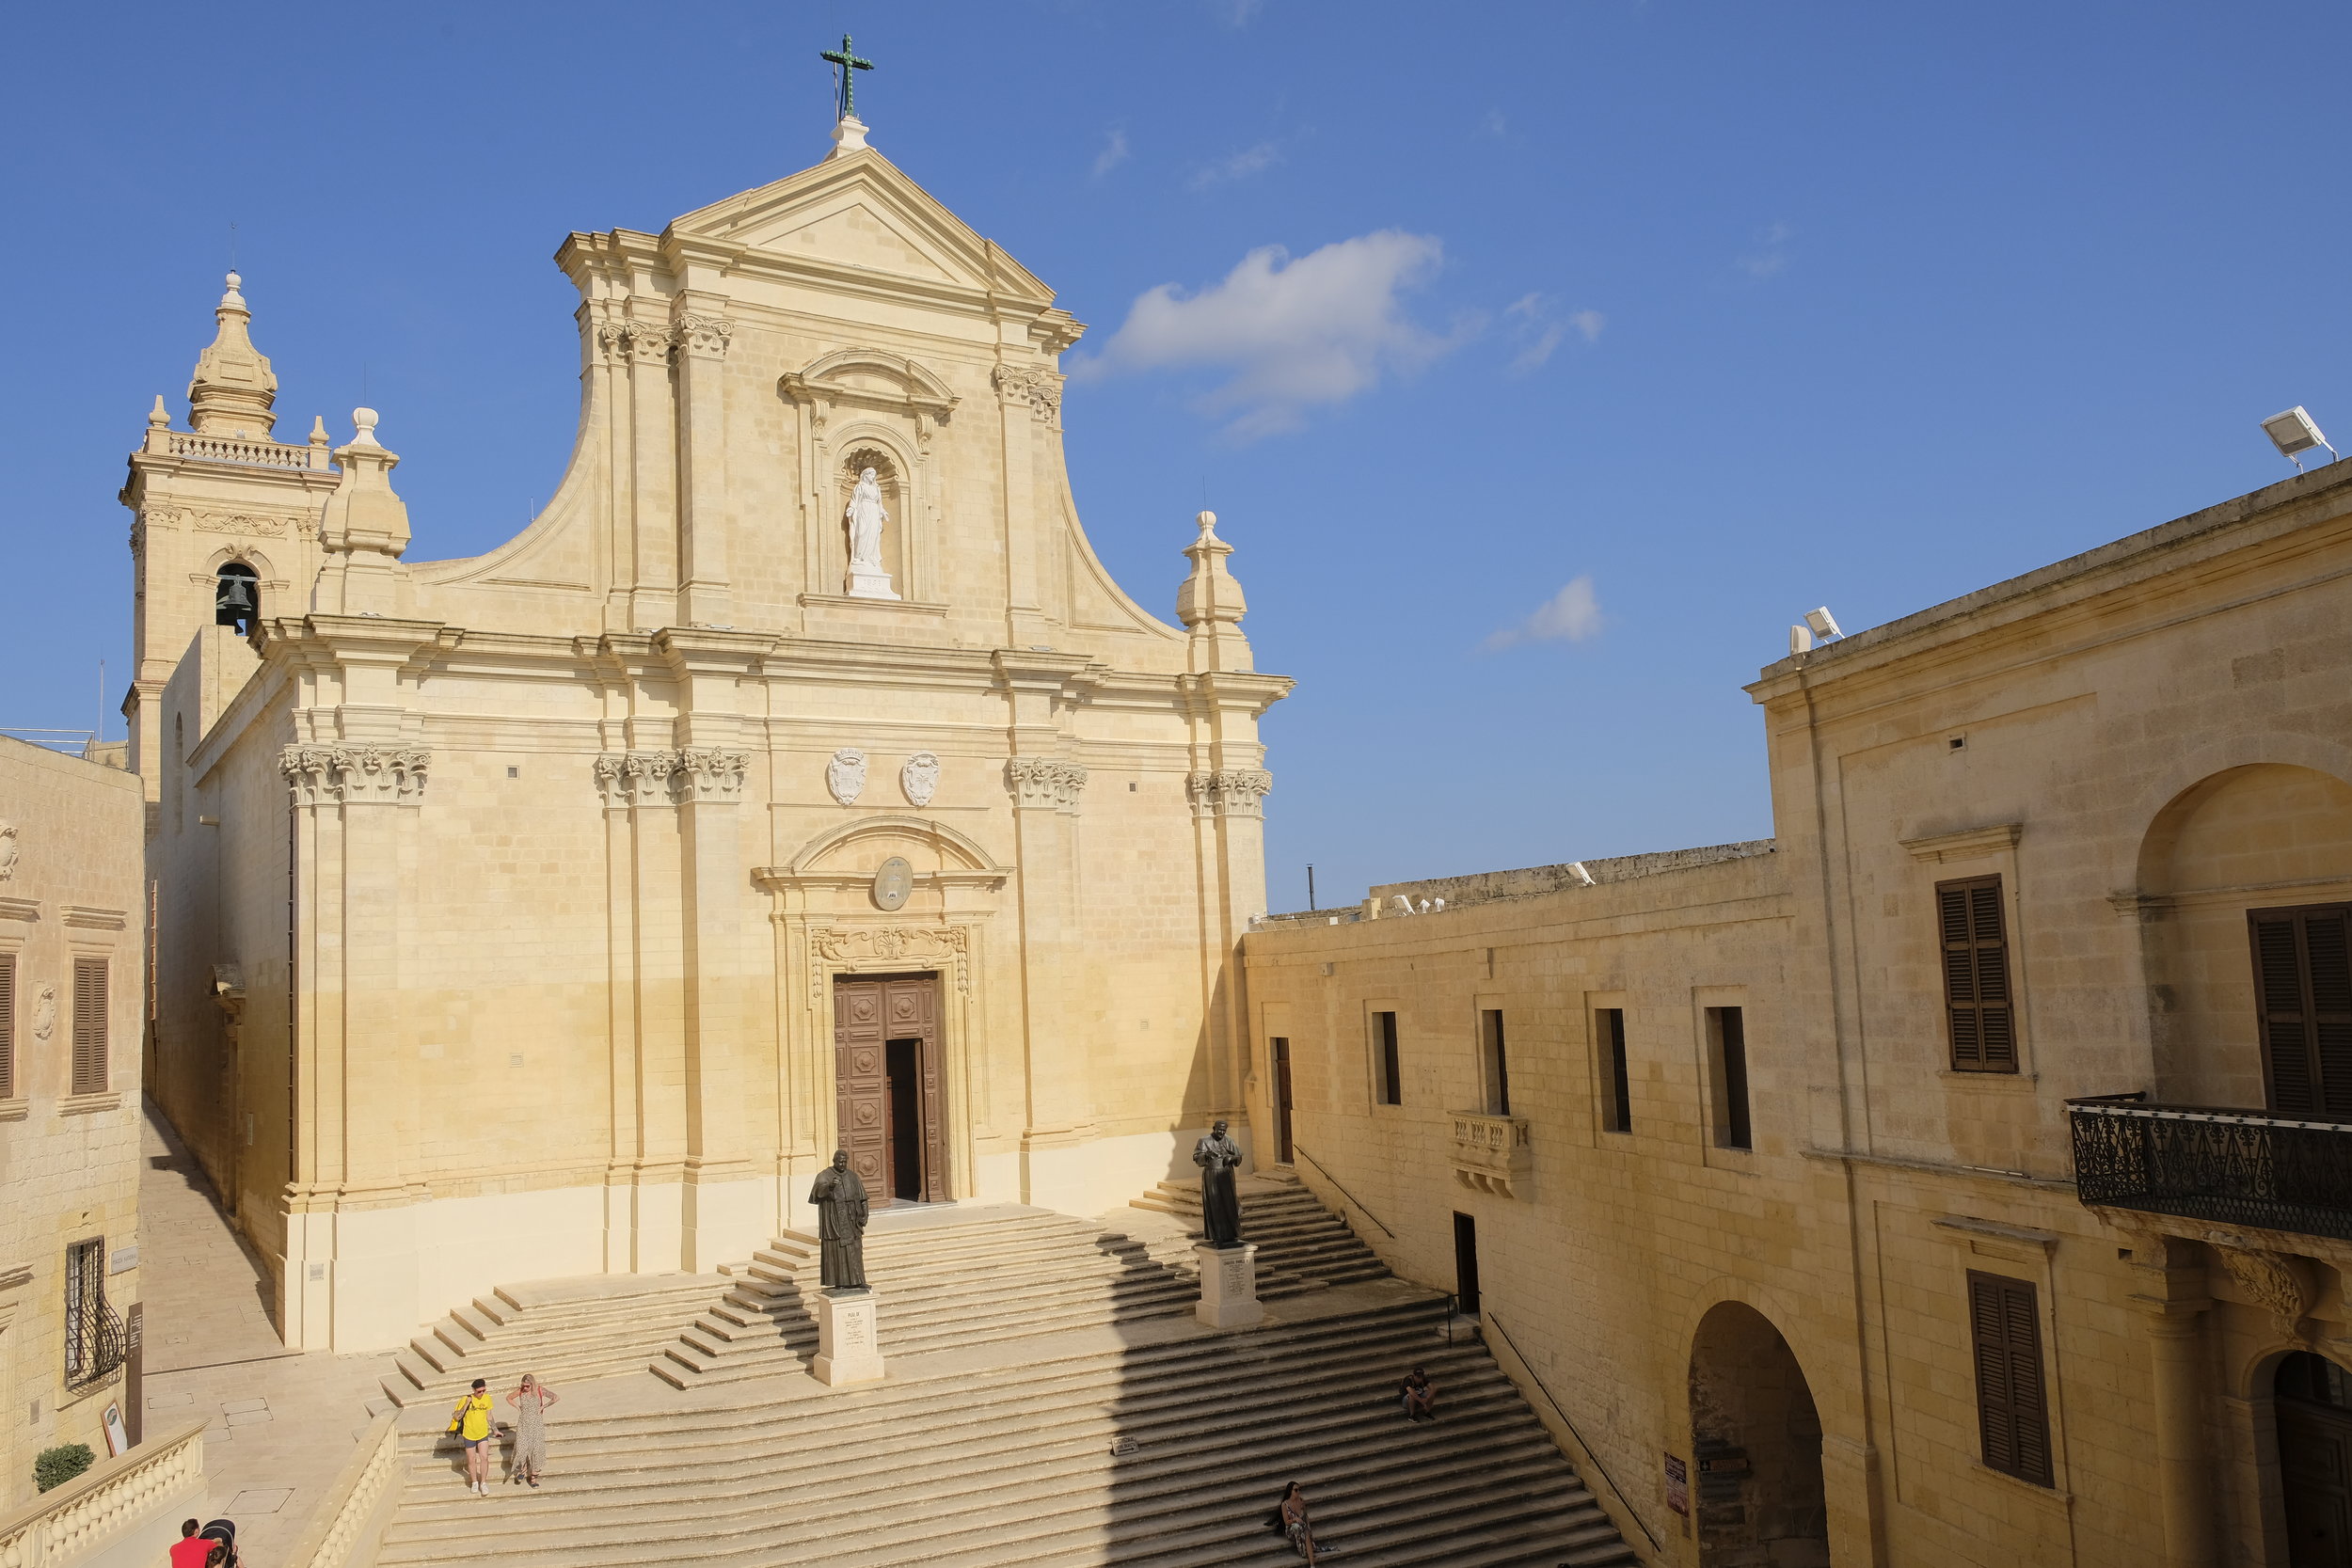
224 1531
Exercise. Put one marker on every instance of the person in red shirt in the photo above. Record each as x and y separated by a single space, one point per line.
191 1549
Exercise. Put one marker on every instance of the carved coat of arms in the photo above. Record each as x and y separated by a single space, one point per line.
845 775
919 778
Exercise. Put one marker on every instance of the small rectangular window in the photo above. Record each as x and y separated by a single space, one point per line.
89 1025
1616 1079
1976 1006
1494 1068
7 1026
1727 1042
1391 1069
2012 1414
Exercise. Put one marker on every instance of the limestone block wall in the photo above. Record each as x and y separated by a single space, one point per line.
70 888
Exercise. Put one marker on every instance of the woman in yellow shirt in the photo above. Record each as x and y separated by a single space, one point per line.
471 1422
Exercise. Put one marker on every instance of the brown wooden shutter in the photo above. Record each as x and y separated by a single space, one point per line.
89 1025
2012 1410
7 1026
2303 988
1976 974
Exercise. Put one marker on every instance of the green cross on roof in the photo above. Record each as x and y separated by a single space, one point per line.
846 98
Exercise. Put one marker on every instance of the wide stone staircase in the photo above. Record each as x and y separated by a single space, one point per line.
1051 1404
560 1330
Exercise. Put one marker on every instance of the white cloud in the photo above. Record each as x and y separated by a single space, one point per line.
1538 333
1294 334
1772 255
1571 615
1241 165
1114 151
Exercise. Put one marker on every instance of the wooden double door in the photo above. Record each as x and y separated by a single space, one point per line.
887 1084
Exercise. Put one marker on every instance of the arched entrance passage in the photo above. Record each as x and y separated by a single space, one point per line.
2314 1417
1757 1446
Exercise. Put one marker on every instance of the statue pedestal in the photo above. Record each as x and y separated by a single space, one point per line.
870 583
848 1349
1229 1286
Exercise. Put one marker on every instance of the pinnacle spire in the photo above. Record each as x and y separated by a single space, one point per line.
234 387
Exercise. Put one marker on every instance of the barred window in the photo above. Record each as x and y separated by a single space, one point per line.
94 1335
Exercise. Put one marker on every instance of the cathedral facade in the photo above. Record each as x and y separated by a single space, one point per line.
798 779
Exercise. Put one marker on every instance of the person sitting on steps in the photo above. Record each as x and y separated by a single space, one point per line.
1418 1397
1290 1517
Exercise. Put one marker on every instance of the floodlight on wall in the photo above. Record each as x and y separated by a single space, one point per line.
1584 878
1800 640
2294 432
1822 622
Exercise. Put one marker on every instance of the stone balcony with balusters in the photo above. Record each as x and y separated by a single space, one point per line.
1492 1154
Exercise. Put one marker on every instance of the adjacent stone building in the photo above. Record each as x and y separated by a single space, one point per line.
73 984
1962 1176
559 910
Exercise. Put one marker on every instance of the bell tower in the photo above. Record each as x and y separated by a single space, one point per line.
224 533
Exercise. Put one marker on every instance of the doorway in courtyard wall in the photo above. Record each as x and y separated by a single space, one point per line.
1755 1441
2314 1422
887 1084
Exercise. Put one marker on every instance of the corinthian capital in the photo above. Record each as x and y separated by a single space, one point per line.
1037 782
352 775
704 336
1039 389
1229 791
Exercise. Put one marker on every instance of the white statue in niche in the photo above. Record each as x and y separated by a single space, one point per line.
865 515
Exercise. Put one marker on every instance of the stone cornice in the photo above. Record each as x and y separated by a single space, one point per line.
1967 843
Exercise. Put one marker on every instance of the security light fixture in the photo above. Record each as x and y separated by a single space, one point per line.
1822 622
1800 640
1584 878
2294 432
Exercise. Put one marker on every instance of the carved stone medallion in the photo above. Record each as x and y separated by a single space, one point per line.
8 843
919 778
845 775
892 883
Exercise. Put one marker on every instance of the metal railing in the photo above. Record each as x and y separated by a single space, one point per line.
1300 1150
2206 1163
1591 1457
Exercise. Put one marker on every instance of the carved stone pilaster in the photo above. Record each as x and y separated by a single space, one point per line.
1229 791
706 337
1039 389
1045 782
638 341
670 778
351 775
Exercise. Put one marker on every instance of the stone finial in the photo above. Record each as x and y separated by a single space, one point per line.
318 431
159 418
234 387
364 532
849 135
1210 604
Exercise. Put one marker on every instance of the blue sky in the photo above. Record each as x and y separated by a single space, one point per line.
1543 362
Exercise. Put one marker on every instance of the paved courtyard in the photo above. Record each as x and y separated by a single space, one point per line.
282 1423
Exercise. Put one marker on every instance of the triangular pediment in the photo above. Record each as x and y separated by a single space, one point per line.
861 210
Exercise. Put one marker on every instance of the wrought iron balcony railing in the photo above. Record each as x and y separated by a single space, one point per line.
2229 1166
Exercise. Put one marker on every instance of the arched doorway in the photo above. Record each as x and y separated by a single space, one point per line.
2315 1418
1757 1446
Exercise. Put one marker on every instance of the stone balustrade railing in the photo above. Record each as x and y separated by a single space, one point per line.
1492 1154
344 1532
232 449
71 1523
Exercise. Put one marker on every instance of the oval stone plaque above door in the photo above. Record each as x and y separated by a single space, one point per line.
892 883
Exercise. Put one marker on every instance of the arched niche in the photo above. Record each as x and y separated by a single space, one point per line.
857 398
2256 836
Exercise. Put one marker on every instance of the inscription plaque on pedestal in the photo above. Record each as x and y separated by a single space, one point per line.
848 1344
1229 1286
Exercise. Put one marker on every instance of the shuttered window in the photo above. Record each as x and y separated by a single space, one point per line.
7 1026
1977 999
2303 986
89 1025
2012 1413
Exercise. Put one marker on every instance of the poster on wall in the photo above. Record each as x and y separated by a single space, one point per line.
117 1435
1678 1486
